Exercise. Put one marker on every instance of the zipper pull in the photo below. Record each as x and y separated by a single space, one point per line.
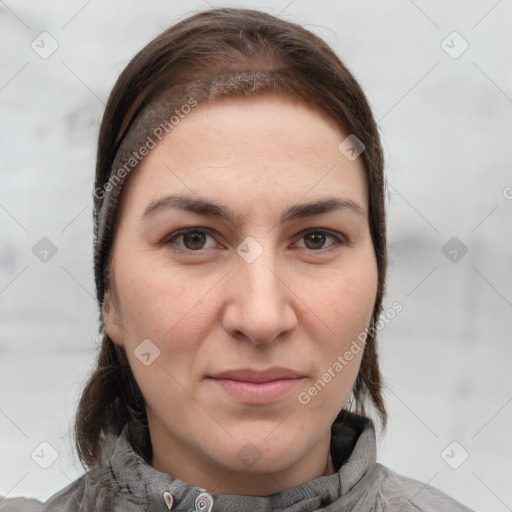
168 499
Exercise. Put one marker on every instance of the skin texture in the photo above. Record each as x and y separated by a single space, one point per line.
300 304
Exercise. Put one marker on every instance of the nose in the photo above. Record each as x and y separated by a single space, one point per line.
261 302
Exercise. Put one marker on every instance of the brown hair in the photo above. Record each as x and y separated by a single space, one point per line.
207 45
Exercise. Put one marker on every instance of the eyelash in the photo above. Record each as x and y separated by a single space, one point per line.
169 241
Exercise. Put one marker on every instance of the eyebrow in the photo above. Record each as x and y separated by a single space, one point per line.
211 209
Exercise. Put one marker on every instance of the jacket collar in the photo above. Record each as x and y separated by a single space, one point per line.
353 450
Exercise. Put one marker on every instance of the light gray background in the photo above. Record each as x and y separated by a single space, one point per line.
445 124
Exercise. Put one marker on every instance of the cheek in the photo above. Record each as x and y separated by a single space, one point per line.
349 301
346 307
160 306
153 298
168 307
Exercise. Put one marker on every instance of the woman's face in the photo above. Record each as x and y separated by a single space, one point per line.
242 333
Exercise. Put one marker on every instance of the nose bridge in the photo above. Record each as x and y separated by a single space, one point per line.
259 267
264 302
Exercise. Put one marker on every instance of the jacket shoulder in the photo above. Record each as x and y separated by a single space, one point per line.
20 505
62 501
412 495
94 491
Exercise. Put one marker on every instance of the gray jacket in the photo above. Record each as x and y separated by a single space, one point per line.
127 483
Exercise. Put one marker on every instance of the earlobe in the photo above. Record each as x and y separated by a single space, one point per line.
112 324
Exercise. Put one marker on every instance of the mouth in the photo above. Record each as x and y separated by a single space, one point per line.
256 386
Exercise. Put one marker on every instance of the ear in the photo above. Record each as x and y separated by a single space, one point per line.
111 320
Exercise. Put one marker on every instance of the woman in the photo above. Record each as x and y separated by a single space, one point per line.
240 262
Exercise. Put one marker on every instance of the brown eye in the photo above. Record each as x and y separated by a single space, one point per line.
194 240
315 240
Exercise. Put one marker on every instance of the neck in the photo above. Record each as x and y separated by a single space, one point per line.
330 466
173 457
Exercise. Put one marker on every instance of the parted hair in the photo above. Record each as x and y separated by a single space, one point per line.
209 44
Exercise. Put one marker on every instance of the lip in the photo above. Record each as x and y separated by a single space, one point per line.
258 386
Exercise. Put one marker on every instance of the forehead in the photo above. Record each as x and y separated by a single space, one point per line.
265 146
